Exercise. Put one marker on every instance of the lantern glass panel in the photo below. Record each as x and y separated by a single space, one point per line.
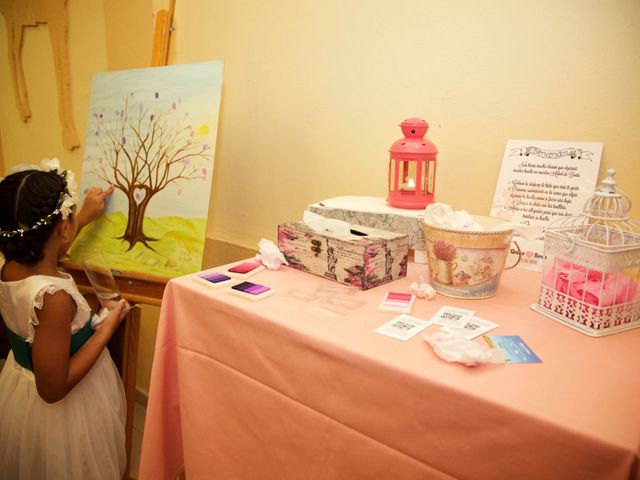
429 177
408 176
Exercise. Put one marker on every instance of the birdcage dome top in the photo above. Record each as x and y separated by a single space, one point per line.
604 219
608 203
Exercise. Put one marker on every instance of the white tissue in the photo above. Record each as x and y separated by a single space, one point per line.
318 223
442 215
98 319
422 289
528 232
454 348
270 256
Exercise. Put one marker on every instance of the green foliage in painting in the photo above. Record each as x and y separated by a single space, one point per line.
177 250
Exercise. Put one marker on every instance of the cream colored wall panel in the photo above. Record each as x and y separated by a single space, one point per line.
313 93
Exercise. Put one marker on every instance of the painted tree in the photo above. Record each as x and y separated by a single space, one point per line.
146 147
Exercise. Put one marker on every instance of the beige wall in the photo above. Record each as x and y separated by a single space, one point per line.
313 93
41 136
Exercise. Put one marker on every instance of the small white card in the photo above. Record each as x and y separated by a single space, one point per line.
473 328
452 316
403 327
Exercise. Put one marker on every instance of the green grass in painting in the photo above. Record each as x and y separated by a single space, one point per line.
177 251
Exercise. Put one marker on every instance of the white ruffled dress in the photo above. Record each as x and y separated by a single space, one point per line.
80 437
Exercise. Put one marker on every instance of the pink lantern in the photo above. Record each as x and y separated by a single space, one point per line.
412 167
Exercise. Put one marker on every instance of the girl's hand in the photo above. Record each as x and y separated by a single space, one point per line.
93 205
123 308
115 315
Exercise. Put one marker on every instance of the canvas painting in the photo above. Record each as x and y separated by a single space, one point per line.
152 134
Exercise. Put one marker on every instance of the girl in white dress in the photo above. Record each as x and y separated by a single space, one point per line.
62 404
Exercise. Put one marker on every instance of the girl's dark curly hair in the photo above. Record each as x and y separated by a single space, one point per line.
25 198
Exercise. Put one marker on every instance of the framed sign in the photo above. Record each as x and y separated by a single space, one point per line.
540 181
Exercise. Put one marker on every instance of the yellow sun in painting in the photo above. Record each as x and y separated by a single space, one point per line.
203 130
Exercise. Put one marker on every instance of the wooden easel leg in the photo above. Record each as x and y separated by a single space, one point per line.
129 365
162 35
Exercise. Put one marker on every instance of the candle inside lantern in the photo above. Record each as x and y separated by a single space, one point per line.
410 185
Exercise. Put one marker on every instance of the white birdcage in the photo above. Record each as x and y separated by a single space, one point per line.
591 271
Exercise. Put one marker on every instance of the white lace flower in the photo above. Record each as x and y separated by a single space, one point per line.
70 197
66 206
47 164
72 185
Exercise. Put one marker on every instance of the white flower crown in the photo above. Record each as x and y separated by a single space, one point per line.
64 206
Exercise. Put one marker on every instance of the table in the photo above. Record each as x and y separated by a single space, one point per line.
283 389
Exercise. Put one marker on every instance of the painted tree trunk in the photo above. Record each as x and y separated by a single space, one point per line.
134 232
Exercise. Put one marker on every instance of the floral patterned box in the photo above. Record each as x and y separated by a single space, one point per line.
365 258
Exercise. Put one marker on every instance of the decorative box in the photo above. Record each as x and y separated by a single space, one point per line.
364 258
591 271
374 212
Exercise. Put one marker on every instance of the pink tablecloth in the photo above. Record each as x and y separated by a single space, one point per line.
282 389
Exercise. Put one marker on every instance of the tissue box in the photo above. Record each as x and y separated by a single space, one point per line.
365 258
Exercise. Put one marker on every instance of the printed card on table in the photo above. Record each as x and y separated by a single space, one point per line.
452 316
515 350
403 327
475 327
541 181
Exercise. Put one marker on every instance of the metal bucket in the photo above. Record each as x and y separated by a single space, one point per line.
468 264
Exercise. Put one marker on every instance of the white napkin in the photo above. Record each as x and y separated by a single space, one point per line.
270 255
320 224
443 216
98 319
455 348
422 289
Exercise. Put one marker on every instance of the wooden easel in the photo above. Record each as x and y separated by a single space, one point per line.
162 35
1 158
136 288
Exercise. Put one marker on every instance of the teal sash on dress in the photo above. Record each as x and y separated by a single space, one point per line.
22 349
